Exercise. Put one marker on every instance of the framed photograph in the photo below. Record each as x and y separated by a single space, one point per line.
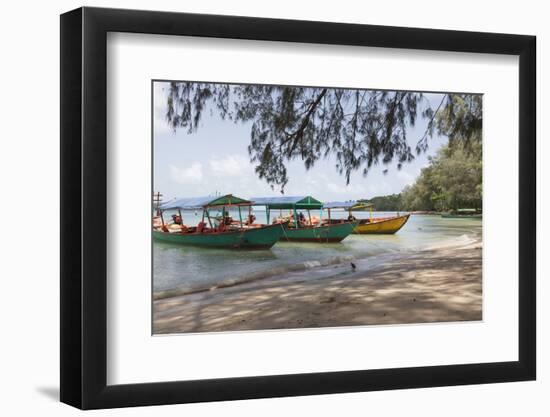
260 208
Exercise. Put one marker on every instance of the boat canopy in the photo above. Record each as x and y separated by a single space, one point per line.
195 203
348 205
290 202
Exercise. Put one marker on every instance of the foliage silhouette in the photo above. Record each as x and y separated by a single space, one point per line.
360 128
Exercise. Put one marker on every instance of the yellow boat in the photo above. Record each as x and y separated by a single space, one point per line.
381 226
372 225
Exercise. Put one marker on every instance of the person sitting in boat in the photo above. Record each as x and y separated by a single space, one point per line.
177 219
250 220
201 227
227 220
351 218
290 219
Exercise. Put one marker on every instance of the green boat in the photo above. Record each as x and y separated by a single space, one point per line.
463 214
214 233
297 227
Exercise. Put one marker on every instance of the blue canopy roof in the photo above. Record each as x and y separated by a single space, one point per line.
287 202
194 203
348 205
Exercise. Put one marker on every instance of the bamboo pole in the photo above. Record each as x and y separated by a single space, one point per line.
208 216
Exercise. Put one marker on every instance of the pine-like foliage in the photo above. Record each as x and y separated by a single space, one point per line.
359 128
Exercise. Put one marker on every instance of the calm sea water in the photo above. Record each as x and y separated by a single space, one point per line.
177 266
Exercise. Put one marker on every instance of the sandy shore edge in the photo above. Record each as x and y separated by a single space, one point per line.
431 285
281 271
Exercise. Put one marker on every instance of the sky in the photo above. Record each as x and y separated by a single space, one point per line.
215 159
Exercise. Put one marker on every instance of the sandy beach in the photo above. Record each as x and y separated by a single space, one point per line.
434 285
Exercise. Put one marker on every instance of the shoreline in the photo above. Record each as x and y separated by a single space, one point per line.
432 285
280 272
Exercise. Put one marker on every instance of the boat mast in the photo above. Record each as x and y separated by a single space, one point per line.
157 200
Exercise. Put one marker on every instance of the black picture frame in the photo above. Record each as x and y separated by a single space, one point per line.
84 207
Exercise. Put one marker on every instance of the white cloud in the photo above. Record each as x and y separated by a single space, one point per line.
345 189
190 175
231 166
405 177
314 182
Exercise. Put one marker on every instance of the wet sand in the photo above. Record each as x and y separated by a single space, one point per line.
436 285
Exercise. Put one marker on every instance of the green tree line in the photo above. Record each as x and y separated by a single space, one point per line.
452 180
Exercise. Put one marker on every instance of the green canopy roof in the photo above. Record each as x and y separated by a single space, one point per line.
291 202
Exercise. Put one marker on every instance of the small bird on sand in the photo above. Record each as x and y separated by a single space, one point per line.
353 266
